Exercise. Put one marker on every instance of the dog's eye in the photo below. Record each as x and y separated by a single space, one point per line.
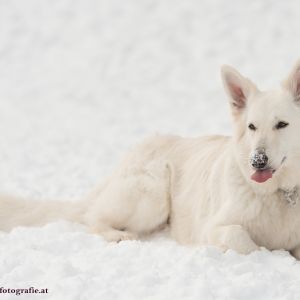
281 124
251 126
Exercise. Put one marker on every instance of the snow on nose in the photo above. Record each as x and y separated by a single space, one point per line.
259 159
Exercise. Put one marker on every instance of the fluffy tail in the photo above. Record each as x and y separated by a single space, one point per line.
24 212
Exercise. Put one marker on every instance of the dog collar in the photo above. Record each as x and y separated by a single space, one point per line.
291 196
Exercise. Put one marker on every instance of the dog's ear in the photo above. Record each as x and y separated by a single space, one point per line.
292 83
237 87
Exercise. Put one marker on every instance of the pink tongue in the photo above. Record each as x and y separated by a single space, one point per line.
261 176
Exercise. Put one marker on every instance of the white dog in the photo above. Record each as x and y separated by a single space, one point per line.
239 192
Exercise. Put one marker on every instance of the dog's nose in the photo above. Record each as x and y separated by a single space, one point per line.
259 159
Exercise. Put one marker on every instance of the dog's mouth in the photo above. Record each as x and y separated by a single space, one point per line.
263 175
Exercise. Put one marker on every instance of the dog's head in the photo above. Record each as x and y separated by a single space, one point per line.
267 126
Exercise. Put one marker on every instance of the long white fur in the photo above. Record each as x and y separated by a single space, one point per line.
200 186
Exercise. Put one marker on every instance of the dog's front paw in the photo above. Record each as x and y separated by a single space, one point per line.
116 235
241 249
233 237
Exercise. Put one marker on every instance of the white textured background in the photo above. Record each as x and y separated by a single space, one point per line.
81 82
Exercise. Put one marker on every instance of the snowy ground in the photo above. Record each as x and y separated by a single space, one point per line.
82 81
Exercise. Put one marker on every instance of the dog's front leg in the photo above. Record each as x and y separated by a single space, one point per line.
233 237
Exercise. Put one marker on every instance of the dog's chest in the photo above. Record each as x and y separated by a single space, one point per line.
277 223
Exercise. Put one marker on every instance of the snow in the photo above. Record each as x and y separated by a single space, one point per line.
80 83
